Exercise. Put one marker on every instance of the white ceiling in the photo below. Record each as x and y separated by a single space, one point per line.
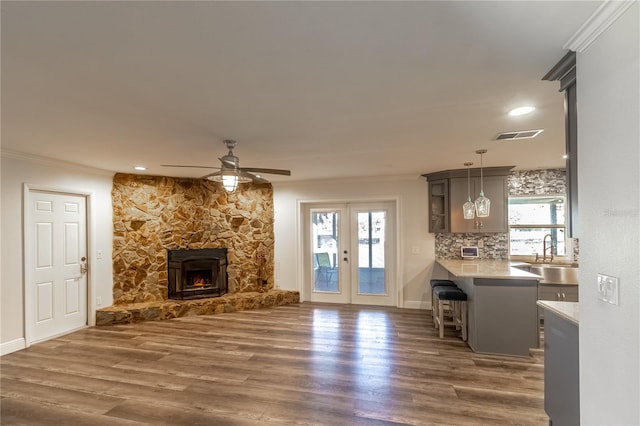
326 89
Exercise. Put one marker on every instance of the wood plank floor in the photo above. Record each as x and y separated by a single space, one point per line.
311 364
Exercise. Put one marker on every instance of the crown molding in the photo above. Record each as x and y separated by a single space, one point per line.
598 22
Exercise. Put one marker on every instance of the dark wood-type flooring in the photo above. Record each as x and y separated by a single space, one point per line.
298 364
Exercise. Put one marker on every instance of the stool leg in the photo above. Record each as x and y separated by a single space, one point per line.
441 319
435 303
464 320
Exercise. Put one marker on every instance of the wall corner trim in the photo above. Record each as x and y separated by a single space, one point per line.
598 22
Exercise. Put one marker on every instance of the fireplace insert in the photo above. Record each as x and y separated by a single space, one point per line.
196 274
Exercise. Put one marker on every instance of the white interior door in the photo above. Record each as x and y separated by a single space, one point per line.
55 264
350 254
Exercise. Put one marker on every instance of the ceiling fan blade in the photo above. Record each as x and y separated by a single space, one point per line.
269 171
211 174
255 178
196 167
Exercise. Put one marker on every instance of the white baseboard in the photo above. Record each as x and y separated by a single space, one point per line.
12 346
417 304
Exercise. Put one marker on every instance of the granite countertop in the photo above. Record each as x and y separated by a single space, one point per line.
500 269
567 310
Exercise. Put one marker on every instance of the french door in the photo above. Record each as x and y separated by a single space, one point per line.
351 253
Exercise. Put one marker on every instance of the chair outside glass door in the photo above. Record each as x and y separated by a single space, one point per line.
326 278
325 248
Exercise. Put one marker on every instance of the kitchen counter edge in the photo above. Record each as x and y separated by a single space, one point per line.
567 310
496 269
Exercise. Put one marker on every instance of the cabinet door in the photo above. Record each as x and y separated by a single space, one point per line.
439 206
558 292
495 188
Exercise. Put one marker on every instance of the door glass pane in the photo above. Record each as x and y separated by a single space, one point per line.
325 251
371 255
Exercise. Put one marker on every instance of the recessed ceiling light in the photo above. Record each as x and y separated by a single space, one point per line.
141 168
521 110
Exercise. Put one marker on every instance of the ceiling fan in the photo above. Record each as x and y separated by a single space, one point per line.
231 174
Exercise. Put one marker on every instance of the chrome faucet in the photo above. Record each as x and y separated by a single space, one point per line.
544 248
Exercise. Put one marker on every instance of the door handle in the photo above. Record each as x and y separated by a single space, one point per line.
83 266
345 259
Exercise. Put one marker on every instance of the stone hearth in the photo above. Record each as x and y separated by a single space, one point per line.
152 311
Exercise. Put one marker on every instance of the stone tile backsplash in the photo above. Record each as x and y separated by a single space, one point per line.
538 182
490 245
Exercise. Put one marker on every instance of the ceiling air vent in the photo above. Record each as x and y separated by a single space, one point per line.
523 134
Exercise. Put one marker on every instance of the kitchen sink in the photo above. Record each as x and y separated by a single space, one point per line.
556 274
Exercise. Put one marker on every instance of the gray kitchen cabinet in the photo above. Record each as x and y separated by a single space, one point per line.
495 188
448 192
558 292
561 370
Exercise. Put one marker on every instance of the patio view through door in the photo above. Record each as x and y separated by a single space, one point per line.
352 250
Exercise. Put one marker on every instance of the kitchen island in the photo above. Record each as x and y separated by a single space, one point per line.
502 310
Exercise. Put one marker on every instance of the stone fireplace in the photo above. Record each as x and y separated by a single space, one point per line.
160 222
197 274
155 215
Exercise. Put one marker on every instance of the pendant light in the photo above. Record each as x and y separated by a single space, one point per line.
468 208
483 204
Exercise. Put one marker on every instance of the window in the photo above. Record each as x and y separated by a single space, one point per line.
531 218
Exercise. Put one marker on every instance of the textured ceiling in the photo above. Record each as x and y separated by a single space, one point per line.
326 89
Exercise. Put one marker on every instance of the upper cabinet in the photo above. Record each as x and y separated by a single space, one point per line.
448 192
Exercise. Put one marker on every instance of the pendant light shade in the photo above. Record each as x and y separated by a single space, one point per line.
483 204
229 179
468 208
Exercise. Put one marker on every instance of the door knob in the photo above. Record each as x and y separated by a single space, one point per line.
83 266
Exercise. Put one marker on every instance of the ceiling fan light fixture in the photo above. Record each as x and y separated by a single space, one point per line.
229 180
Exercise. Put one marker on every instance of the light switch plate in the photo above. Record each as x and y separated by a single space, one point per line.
608 290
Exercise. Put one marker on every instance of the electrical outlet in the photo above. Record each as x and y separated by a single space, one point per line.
98 301
99 254
480 243
608 290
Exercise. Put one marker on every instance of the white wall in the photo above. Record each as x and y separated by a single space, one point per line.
608 76
415 269
16 171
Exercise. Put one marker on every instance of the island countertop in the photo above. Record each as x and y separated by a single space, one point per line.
567 310
497 269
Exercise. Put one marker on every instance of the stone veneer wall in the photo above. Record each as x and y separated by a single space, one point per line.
496 245
152 214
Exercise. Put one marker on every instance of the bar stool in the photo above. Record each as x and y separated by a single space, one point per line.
453 302
434 302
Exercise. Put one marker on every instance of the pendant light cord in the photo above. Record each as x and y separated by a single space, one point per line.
481 180
469 183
